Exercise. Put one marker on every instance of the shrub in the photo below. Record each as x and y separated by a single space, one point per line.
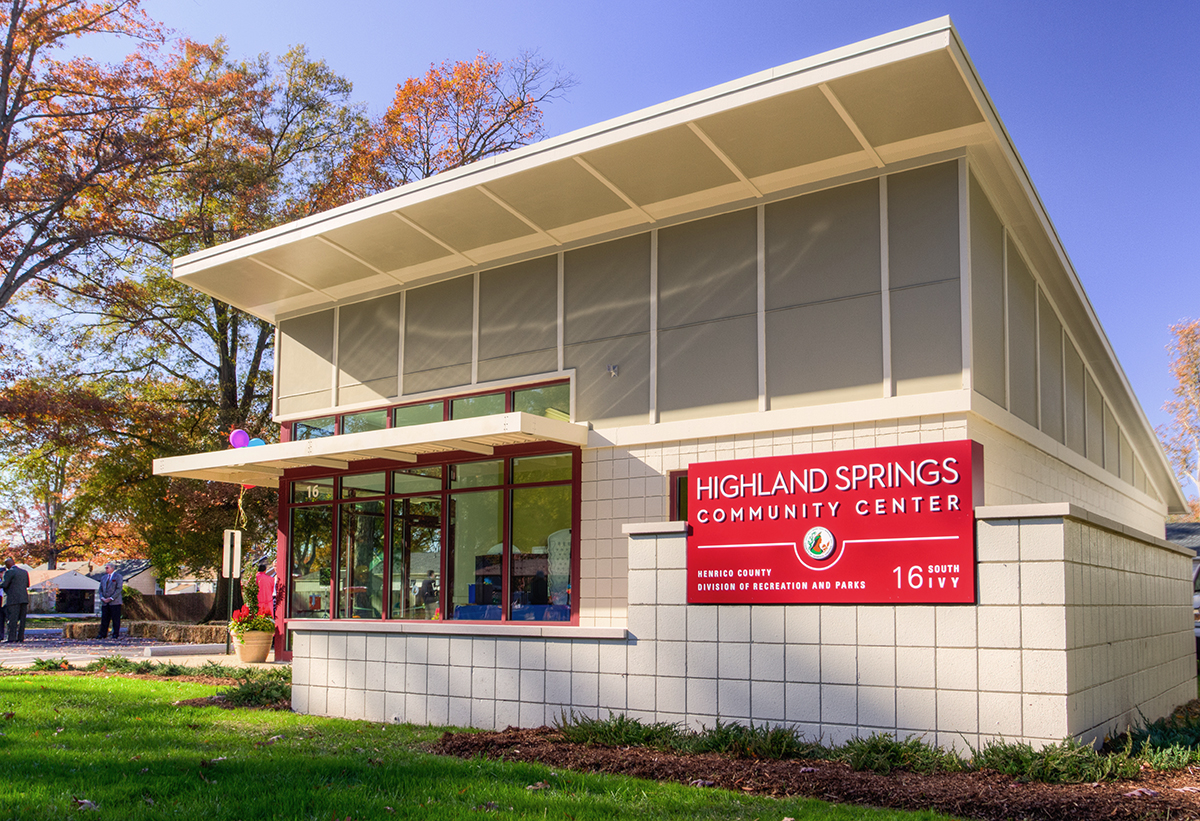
259 692
618 730
1180 729
1068 762
762 741
883 753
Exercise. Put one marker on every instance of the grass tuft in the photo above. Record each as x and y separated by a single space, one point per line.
50 664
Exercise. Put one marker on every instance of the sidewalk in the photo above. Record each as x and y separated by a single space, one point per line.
48 643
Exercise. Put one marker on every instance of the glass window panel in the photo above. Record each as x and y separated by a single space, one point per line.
541 553
312 490
476 534
469 407
477 474
360 565
312 562
680 494
364 484
418 414
551 401
368 420
313 428
554 468
417 480
416 558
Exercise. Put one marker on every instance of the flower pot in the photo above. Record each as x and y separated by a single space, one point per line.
253 645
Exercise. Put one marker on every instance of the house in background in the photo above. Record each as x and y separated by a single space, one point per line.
62 591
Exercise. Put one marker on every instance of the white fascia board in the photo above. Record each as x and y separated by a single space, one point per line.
898 45
1020 174
331 447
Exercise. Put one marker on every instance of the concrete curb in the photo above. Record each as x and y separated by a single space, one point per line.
185 650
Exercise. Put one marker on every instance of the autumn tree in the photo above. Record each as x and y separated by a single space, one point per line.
205 363
1181 437
292 143
51 435
457 113
78 139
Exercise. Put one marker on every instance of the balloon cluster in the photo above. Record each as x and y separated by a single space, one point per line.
240 439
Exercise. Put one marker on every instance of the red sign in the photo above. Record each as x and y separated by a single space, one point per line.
877 526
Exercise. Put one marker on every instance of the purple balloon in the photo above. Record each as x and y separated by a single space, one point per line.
255 442
239 438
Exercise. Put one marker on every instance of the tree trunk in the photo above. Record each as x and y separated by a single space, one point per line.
220 608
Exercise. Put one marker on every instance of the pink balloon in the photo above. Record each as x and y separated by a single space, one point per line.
239 438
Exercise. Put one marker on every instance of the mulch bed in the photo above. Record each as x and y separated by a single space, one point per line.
981 795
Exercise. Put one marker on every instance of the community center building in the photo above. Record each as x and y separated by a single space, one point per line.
780 402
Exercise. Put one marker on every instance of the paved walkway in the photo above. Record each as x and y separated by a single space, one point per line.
48 643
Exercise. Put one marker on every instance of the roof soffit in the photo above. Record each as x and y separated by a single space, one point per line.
736 141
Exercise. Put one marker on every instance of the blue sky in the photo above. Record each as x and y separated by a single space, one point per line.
1101 98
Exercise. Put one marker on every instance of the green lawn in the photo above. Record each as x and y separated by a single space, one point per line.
121 745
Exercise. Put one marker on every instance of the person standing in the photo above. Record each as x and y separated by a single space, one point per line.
110 601
15 583
266 590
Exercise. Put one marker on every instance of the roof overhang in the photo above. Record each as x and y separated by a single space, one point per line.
264 465
857 109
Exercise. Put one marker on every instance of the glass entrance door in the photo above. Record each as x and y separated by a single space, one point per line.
416 557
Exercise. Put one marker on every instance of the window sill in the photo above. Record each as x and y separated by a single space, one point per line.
451 628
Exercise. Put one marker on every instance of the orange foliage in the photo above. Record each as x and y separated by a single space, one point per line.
78 139
1181 437
457 113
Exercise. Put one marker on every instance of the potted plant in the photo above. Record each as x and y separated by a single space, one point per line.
253 634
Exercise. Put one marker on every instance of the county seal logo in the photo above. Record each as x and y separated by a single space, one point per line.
819 543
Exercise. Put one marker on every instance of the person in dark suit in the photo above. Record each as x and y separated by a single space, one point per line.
110 601
15 583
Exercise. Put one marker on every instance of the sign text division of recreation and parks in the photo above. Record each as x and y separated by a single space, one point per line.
884 525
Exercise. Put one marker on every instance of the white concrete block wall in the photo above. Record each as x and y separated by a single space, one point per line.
625 485
1077 628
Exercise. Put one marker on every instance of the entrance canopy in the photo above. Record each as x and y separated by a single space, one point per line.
264 465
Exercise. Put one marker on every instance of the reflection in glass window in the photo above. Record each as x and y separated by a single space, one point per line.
418 414
551 401
477 474
312 490
360 422
314 428
489 404
476 535
554 468
417 480
311 546
364 484
541 553
360 571
416 557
